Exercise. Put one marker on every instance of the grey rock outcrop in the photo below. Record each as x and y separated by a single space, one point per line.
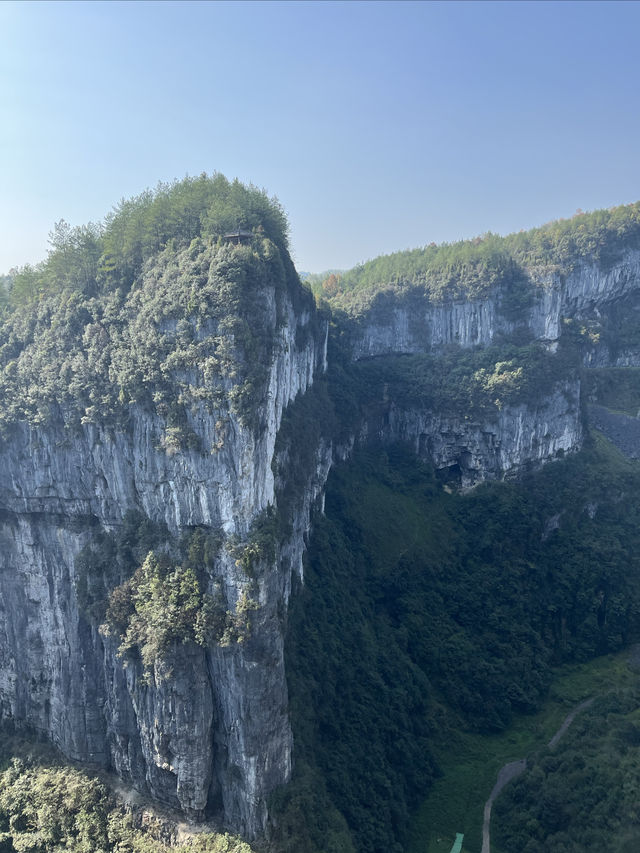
527 433
470 450
412 326
208 729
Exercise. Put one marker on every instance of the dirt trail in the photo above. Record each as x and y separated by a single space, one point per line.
515 768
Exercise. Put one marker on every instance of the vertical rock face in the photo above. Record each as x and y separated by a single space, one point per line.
208 729
467 324
588 286
469 450
423 325
531 432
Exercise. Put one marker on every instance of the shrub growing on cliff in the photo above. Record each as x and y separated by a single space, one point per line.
110 558
161 605
467 383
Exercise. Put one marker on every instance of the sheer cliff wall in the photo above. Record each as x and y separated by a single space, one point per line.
208 729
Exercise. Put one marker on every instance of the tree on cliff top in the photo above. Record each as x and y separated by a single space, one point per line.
110 255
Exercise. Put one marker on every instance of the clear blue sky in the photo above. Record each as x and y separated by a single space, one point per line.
379 126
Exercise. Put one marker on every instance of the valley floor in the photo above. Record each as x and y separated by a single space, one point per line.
472 763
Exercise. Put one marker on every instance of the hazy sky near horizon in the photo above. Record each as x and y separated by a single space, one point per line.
379 126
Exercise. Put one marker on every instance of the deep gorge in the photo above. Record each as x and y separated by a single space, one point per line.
198 388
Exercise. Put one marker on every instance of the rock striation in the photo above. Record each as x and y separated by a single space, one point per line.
411 326
208 729
467 451
520 435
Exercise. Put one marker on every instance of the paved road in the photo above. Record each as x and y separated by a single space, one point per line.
506 774
515 768
568 720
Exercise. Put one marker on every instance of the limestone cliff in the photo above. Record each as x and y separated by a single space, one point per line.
207 730
587 298
407 325
468 450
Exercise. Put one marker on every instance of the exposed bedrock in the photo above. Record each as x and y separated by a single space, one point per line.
208 729
411 326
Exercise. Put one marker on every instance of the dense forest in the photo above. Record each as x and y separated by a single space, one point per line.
152 307
425 612
473 268
582 795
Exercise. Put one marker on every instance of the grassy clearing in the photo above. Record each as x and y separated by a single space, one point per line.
470 762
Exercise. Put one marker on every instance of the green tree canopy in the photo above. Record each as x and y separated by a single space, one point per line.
110 255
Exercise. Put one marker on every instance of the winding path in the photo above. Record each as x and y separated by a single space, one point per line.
515 768
568 720
506 774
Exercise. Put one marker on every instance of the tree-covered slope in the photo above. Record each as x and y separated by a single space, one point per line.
472 269
47 805
153 307
424 611
583 794
112 253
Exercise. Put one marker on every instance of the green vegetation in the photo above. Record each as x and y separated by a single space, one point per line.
471 269
466 270
197 323
419 618
46 806
149 592
153 308
164 603
323 284
470 383
426 617
616 330
111 255
161 605
617 389
600 236
259 548
469 761
180 212
582 795
111 558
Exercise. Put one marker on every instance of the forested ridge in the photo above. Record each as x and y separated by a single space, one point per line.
111 254
471 269
424 612
151 307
